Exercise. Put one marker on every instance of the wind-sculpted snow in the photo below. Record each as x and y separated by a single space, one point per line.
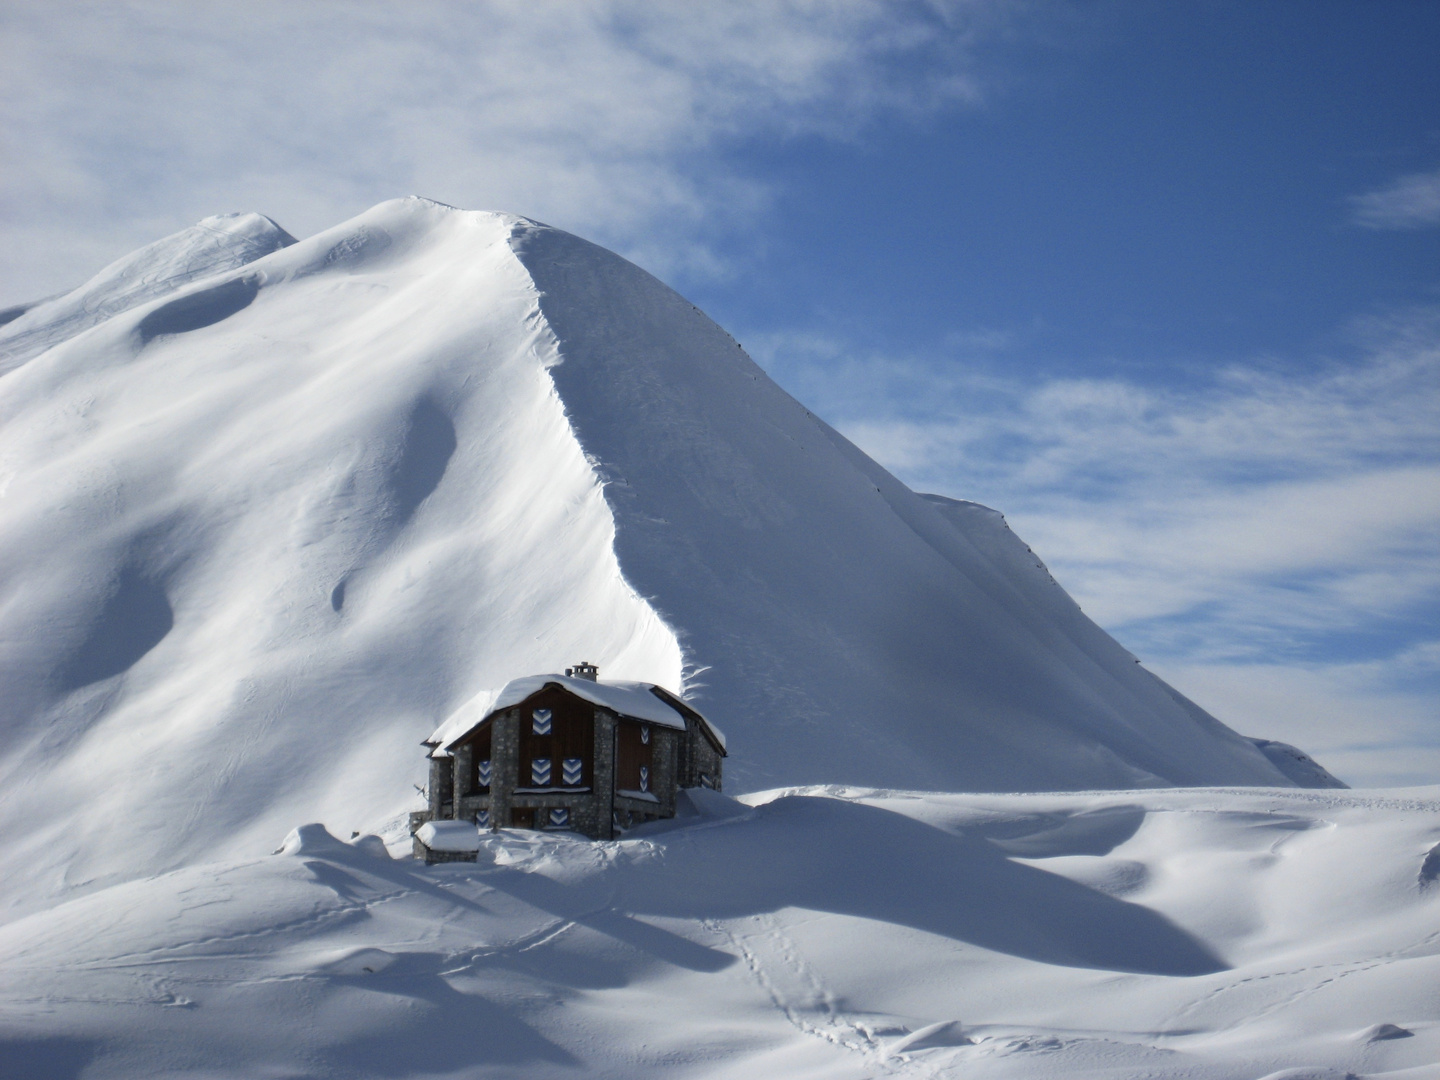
199 309
133 620
271 511
808 933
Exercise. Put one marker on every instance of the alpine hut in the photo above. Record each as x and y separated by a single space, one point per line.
564 752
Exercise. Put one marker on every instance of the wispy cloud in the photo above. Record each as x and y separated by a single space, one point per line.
1267 528
1411 202
607 117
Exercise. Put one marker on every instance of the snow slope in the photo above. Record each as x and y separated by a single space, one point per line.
273 510
855 630
813 933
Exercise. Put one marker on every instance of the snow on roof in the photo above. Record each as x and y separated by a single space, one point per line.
449 835
632 699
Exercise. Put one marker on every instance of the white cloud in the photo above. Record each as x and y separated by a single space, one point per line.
1258 534
124 121
1411 202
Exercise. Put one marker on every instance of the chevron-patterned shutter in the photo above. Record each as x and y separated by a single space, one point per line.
541 721
485 771
540 772
559 818
482 819
644 778
645 734
572 771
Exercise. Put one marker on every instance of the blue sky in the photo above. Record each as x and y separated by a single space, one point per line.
1168 188
1159 281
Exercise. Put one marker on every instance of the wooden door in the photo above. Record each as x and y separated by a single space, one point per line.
634 759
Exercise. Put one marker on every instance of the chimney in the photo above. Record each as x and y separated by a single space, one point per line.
584 670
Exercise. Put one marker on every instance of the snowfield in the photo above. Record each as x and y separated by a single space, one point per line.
817 933
272 511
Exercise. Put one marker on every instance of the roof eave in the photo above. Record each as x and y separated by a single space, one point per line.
711 733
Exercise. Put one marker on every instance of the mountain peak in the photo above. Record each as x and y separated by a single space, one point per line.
275 509
211 246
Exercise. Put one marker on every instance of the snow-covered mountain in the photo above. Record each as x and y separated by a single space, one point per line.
269 511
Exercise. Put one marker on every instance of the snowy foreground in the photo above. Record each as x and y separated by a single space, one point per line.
801 933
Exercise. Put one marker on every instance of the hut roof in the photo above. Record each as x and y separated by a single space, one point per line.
635 700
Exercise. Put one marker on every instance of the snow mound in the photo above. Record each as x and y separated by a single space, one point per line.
371 845
1384 1032
312 839
946 1033
357 962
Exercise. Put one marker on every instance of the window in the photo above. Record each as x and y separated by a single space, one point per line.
541 721
482 819
540 772
559 818
483 771
572 771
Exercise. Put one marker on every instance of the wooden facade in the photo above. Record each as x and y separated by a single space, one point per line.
569 756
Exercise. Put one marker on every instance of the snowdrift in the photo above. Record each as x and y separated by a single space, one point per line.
808 933
273 510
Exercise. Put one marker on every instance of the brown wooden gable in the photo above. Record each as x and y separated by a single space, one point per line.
468 739
562 738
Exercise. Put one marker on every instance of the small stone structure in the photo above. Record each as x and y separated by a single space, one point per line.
567 753
447 841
